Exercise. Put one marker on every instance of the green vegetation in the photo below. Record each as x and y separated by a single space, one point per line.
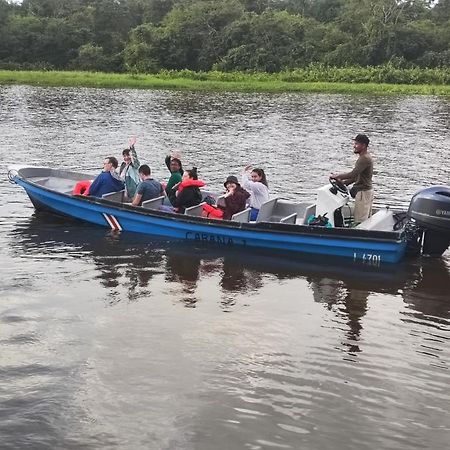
270 45
236 81
147 36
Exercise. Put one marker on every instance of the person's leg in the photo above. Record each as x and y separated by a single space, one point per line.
363 205
254 214
167 208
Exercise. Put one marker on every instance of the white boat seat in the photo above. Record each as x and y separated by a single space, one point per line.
115 196
154 203
310 210
195 210
292 218
280 210
266 210
221 201
382 220
242 216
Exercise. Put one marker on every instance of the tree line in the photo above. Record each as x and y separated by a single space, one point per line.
147 36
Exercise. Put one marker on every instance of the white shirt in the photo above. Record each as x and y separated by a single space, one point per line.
259 192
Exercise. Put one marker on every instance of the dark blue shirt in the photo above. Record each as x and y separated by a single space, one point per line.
105 183
149 189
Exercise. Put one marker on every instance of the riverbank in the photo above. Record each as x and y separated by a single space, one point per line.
219 81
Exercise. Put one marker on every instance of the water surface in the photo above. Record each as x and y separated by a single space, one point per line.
123 341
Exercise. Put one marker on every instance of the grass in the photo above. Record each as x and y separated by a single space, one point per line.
219 81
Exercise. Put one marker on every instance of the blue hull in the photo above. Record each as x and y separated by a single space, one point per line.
371 247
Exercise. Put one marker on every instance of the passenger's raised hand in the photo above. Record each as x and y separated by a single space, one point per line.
247 168
230 190
132 142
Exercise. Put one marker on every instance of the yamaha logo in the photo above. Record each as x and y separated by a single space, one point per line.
442 212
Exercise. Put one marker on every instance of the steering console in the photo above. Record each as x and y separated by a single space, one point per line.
338 186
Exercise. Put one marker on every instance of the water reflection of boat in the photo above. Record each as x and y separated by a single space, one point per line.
48 233
281 224
137 265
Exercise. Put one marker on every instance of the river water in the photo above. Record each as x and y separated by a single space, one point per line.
125 342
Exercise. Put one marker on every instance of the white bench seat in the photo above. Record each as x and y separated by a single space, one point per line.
242 216
195 210
154 203
115 196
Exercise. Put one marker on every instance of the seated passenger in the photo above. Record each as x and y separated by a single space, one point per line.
187 193
128 171
235 201
235 197
108 180
148 188
176 172
256 183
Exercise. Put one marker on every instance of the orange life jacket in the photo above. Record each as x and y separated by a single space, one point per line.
82 187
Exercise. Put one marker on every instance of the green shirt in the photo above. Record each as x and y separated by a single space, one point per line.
173 180
361 175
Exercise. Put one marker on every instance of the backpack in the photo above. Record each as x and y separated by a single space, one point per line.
209 200
319 221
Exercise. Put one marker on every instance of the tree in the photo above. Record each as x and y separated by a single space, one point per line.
145 50
154 11
271 35
272 41
90 57
441 11
190 37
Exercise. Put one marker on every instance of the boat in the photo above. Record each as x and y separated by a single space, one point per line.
282 225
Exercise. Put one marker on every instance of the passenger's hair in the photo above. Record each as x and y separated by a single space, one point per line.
176 160
126 152
193 173
113 161
145 170
261 174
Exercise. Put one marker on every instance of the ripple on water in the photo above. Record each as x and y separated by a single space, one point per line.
112 341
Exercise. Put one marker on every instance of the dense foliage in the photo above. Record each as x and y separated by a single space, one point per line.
223 35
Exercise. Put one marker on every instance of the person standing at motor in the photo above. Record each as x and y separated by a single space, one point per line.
361 176
129 169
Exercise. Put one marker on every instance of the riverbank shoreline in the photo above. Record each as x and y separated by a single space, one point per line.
186 80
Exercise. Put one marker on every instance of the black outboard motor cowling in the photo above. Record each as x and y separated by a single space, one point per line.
430 211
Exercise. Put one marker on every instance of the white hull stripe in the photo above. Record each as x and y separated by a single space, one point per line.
112 221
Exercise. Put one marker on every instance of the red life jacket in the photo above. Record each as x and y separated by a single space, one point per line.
212 211
82 187
190 182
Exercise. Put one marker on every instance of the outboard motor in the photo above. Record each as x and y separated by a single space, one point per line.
429 213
